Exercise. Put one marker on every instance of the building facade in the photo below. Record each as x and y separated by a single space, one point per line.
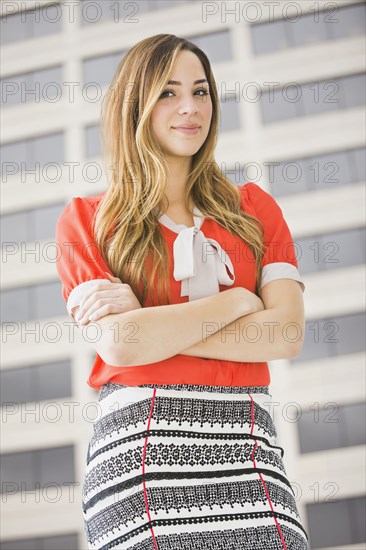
292 87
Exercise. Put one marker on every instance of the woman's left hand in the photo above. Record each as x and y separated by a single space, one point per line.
116 298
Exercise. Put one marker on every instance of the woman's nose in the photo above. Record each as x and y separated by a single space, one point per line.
188 105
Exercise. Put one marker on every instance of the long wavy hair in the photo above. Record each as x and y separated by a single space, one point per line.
126 226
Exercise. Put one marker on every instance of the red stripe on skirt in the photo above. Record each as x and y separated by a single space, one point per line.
261 477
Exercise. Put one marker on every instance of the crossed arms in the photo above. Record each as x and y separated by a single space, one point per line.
233 325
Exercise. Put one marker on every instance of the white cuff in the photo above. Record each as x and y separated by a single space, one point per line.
79 291
281 270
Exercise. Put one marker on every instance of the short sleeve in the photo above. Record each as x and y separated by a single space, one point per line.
279 260
79 264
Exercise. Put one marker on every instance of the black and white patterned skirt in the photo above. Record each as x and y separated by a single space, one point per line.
187 467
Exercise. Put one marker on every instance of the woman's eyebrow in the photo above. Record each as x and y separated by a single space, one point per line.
176 83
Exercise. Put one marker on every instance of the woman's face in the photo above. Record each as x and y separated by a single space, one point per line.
184 104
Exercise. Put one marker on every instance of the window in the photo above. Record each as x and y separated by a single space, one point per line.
313 98
95 11
269 37
217 45
30 225
36 382
22 155
331 426
331 250
61 542
345 519
29 470
230 115
281 34
330 337
32 302
351 22
93 144
42 85
32 23
352 91
280 104
102 68
316 173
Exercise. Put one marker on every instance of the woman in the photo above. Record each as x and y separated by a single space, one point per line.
183 274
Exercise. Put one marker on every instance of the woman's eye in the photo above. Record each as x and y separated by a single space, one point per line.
167 92
171 91
205 92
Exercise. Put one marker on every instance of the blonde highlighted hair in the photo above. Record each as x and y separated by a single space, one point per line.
126 224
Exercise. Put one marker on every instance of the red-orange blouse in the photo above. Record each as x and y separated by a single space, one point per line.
80 265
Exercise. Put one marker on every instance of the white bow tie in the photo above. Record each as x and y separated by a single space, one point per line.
199 262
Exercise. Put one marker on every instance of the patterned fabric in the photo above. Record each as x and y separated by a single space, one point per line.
188 468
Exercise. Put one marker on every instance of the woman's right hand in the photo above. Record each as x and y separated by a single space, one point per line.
99 302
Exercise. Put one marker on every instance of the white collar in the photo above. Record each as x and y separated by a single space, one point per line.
199 262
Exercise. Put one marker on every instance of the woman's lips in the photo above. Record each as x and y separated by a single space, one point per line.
188 131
